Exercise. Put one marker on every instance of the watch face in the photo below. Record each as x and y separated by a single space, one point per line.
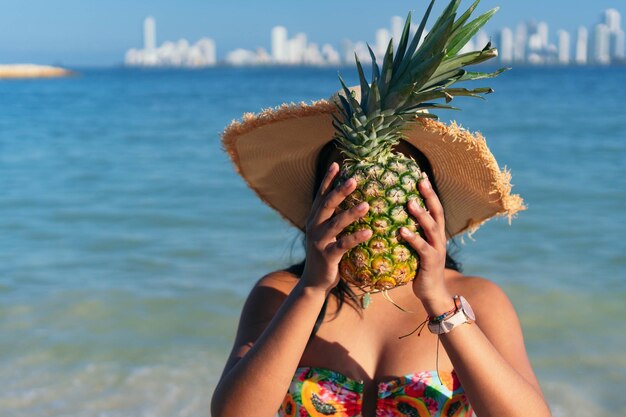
467 308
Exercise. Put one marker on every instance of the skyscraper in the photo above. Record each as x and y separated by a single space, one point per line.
521 34
296 48
206 47
612 19
536 49
382 40
563 47
618 45
397 24
602 44
581 46
149 33
542 31
280 48
506 46
609 38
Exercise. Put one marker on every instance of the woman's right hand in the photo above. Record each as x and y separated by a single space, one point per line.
323 247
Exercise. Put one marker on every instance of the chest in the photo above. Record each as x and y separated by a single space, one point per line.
367 347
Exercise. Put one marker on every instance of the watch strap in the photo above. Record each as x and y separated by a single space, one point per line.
446 325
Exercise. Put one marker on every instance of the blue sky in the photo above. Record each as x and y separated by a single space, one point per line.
86 32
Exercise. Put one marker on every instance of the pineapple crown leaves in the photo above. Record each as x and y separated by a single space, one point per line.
408 82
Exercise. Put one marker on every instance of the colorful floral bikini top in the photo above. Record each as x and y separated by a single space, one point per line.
321 392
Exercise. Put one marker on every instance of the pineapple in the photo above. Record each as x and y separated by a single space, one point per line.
366 131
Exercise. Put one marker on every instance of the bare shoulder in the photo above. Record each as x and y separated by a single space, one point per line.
484 295
497 319
262 303
494 311
281 280
266 297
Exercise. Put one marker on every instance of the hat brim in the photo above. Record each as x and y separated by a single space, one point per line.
276 151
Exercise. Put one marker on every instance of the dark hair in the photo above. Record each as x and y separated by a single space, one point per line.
342 291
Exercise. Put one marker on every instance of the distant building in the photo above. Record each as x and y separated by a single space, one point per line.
521 34
608 38
397 25
241 57
539 50
286 51
312 55
542 34
280 49
170 54
618 46
506 47
149 34
582 46
330 55
360 49
297 47
203 53
563 47
601 50
383 36
612 19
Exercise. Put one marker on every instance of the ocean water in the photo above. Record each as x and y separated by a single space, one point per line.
128 244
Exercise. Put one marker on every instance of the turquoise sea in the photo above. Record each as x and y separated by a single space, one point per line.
128 244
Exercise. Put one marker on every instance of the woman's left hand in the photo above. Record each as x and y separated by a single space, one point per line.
429 285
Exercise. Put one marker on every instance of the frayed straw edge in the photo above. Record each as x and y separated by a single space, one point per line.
252 121
511 203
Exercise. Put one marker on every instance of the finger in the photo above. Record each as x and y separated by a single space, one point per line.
341 246
332 200
427 223
339 222
432 201
332 171
416 241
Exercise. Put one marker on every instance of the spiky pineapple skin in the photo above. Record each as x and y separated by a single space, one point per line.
385 260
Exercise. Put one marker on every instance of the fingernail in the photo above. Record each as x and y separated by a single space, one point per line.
413 205
405 231
362 206
331 167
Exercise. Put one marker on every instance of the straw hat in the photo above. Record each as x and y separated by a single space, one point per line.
275 151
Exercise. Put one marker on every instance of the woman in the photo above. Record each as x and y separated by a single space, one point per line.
357 361
358 352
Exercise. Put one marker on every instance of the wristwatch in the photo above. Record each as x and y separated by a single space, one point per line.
464 314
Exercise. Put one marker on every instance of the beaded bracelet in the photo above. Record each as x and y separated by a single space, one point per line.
431 319
443 316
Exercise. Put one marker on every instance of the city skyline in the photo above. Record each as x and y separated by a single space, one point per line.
170 54
527 43
74 33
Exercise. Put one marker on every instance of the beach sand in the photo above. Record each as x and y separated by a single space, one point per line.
32 71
